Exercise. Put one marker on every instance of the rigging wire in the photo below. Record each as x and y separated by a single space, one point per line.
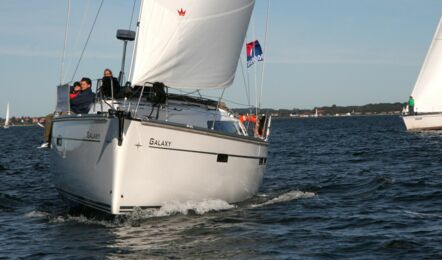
134 49
74 47
246 86
256 69
132 15
87 40
129 28
231 101
189 94
65 41
265 51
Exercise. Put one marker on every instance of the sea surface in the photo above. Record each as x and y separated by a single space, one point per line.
334 188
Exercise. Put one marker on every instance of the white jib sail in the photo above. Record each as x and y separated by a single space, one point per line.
190 43
7 115
427 92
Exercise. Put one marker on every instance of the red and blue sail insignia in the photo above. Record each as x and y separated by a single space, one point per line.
254 53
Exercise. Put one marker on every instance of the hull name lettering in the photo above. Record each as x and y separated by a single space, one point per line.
162 143
90 135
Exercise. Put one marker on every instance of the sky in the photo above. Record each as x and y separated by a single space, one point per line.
318 53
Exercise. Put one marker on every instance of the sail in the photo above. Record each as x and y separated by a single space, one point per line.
7 116
190 43
427 92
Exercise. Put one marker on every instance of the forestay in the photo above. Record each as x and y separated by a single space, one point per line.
190 43
427 92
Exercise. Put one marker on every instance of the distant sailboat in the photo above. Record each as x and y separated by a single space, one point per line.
7 117
427 92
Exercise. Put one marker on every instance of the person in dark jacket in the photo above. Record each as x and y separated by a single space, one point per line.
109 83
82 103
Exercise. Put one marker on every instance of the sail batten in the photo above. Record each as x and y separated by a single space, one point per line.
190 43
427 91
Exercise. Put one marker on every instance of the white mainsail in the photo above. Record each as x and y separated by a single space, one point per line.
7 116
427 91
190 43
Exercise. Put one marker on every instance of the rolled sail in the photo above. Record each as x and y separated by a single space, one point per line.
190 43
427 92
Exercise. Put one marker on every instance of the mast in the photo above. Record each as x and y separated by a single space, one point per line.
125 36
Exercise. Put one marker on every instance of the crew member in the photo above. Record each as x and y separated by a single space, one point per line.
411 105
75 91
110 85
82 103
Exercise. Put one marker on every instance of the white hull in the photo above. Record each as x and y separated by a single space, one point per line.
157 162
423 122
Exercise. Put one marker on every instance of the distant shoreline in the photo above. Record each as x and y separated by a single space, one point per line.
331 111
324 111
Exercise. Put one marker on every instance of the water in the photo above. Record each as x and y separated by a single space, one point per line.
353 187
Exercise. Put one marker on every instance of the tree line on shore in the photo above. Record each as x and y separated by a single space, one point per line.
368 109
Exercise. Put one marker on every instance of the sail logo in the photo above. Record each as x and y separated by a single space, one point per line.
181 12
254 53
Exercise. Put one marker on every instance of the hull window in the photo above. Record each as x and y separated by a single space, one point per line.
222 158
59 141
224 126
262 161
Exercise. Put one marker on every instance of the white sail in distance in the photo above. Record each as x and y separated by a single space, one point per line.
427 91
7 116
190 43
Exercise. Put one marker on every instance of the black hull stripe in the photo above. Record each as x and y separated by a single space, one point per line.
98 205
86 202
203 152
79 139
426 128
141 207
424 114
129 209
91 117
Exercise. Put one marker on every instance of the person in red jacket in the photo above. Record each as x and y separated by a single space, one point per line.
75 91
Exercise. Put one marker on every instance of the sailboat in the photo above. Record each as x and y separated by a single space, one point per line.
6 125
427 92
152 146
